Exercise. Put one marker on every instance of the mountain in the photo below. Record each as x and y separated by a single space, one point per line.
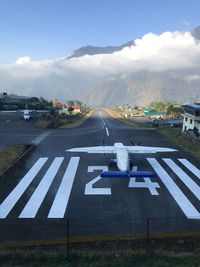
196 33
94 50
140 88
163 67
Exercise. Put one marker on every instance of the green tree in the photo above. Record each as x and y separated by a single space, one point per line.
70 103
77 103
70 109
55 101
42 100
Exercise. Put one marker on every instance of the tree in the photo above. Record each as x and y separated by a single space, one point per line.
70 103
70 109
55 101
34 99
77 103
42 100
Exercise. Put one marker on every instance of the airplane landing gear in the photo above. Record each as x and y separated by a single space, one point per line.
112 162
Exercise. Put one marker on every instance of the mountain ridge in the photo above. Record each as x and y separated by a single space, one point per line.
95 50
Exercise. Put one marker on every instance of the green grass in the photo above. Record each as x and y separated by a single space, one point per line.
88 258
10 155
189 145
117 114
70 121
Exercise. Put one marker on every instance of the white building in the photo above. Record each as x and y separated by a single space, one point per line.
191 117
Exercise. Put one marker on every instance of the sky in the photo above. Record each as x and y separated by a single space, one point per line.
48 29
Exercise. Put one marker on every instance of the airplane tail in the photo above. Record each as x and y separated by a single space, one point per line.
127 174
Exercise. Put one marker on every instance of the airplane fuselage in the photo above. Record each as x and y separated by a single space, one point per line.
122 157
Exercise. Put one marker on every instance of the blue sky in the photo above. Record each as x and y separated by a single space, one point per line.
45 29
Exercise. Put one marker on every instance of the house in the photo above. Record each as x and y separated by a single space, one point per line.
154 114
191 117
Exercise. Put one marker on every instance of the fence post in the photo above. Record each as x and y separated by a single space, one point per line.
68 250
147 240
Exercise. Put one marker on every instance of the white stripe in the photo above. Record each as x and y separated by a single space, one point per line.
38 196
17 192
41 137
191 167
107 132
62 197
189 210
184 177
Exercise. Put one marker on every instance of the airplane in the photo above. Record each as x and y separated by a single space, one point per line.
26 112
26 115
122 160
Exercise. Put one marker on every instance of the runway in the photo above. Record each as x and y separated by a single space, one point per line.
52 185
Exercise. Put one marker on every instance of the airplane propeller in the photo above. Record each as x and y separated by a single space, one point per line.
135 144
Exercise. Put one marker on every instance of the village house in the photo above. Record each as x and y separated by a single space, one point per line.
191 117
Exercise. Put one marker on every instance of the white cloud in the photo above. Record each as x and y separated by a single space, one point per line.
174 51
193 77
23 60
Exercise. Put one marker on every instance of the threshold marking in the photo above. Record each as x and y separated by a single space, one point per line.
39 194
107 132
190 167
184 177
186 206
18 191
59 205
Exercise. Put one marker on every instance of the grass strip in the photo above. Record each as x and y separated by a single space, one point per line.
93 258
190 146
66 123
69 122
9 155
113 112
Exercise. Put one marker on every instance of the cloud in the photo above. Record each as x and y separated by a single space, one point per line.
193 77
170 51
23 60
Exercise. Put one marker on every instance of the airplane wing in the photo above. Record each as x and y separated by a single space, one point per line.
94 149
148 149
5 111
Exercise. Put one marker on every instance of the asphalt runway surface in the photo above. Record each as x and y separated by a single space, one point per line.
52 185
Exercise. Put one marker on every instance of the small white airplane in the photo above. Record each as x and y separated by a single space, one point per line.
26 112
27 115
122 158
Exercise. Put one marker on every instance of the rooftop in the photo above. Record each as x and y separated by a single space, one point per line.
192 106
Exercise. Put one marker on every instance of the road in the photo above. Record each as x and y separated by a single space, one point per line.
52 185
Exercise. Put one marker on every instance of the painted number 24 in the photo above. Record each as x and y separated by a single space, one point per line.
90 190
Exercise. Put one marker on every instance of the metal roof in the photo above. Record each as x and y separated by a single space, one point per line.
154 113
168 122
192 106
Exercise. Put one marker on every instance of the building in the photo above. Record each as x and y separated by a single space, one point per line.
154 114
191 117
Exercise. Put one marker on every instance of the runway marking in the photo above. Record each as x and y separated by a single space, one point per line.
107 132
146 184
186 206
184 177
17 192
89 189
59 205
41 137
190 167
39 194
19 123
